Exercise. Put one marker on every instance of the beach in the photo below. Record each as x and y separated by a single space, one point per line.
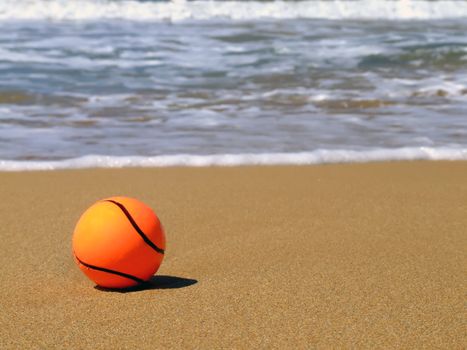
325 256
307 159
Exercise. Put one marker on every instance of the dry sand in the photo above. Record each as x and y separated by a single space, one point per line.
364 256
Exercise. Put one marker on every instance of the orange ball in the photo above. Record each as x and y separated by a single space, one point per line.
119 242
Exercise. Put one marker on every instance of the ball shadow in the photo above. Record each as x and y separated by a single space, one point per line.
155 282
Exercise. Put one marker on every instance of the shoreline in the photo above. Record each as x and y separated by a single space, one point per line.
316 157
336 255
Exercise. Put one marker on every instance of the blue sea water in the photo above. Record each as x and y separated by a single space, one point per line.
156 83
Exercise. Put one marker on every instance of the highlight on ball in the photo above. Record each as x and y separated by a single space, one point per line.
119 242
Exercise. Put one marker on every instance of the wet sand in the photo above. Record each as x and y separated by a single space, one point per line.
365 256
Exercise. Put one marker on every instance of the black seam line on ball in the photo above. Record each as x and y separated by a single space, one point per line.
136 227
103 269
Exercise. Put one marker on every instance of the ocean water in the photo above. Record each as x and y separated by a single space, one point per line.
92 83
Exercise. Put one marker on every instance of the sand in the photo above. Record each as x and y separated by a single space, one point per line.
363 256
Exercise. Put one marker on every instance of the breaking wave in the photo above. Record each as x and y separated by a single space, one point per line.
235 10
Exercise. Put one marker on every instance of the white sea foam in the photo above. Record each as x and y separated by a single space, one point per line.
186 160
236 10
